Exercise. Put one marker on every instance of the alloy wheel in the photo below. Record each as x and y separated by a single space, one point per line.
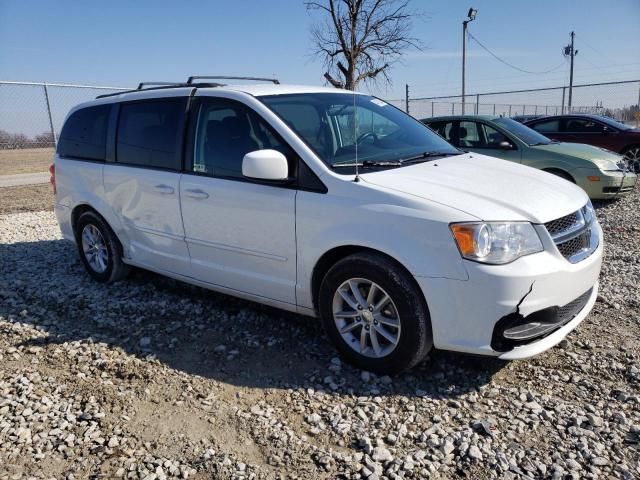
366 317
632 157
94 248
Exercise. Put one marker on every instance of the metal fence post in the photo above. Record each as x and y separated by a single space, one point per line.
406 97
53 131
494 108
477 104
509 110
432 109
564 91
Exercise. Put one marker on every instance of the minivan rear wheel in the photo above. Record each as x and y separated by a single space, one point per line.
99 249
375 314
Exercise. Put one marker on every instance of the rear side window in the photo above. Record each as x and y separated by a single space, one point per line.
150 133
84 135
549 126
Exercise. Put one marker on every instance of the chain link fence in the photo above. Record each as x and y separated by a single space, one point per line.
31 115
619 100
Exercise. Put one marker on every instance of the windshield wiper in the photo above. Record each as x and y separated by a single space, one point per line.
369 163
425 155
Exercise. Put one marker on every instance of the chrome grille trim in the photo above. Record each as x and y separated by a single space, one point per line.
575 238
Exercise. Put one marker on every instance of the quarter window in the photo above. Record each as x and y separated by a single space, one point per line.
84 134
226 131
150 133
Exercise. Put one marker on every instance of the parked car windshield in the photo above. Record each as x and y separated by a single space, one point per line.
524 133
339 126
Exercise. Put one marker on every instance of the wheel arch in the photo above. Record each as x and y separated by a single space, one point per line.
81 208
626 148
334 255
560 172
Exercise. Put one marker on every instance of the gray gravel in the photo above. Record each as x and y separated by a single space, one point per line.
150 378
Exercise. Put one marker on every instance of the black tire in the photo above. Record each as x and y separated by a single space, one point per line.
415 338
115 269
561 174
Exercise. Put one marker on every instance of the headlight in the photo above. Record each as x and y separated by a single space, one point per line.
496 242
607 165
588 212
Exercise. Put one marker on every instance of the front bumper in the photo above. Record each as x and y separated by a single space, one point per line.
464 314
610 185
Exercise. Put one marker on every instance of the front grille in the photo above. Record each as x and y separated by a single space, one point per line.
571 309
555 227
617 189
573 234
569 248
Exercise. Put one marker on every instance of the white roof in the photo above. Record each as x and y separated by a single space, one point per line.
261 89
256 90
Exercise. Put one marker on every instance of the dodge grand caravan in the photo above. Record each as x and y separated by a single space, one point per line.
332 204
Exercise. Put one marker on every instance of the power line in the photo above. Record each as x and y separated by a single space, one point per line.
511 65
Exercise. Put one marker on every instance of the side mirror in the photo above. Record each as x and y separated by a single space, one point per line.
269 165
504 145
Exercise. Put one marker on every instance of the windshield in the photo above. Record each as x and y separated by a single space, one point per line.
337 125
524 133
614 123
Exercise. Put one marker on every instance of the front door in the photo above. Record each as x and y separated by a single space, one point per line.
482 138
240 233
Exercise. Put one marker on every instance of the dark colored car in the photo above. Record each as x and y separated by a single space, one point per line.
525 118
594 130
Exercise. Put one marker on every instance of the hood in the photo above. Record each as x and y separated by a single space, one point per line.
600 156
485 187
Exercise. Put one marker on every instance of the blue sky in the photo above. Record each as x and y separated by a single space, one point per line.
123 42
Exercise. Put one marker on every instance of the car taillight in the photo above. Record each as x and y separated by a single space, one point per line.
52 179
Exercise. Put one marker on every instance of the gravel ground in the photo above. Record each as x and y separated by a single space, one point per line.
152 379
27 198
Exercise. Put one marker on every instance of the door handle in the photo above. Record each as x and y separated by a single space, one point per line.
196 193
165 189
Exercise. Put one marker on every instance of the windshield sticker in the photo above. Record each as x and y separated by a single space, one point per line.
379 102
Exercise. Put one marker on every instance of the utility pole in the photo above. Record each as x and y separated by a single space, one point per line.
570 51
406 97
472 16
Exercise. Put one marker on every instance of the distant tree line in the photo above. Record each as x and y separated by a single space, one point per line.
15 141
626 113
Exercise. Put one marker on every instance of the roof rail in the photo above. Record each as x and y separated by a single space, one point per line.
222 77
161 86
165 84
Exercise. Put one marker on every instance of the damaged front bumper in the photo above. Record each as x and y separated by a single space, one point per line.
516 310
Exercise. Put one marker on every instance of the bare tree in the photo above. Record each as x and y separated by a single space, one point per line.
359 40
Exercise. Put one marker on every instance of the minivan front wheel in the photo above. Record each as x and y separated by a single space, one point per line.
375 314
99 249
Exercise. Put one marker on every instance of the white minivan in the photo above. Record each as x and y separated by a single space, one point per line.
332 204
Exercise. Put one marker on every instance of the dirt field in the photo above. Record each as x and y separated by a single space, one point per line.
29 198
31 160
